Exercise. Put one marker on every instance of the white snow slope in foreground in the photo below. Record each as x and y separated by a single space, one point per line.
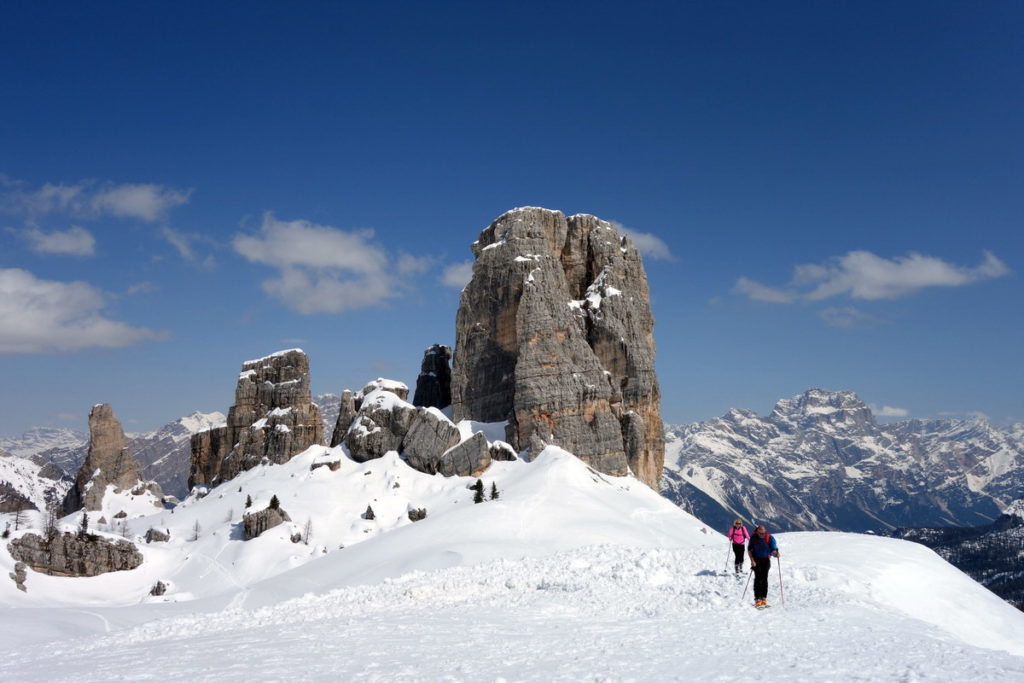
569 575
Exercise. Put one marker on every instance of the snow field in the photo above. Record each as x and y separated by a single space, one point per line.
569 575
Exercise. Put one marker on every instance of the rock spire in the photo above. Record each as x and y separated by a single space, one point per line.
554 334
108 462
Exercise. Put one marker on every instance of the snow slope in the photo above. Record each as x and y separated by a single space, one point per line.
568 575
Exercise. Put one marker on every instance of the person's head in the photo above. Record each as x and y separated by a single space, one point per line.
738 523
760 530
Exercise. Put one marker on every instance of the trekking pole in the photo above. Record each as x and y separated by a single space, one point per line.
727 554
746 584
782 591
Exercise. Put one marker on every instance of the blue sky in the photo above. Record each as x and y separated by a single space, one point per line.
829 194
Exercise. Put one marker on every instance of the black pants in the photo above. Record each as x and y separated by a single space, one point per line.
737 548
761 570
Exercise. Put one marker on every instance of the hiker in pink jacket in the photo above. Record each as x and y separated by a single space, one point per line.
739 536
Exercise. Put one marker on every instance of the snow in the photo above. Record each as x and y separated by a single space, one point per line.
276 354
568 575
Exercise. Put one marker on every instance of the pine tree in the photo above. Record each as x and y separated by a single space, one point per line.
248 501
478 495
369 513
274 502
494 491
308 530
195 531
83 530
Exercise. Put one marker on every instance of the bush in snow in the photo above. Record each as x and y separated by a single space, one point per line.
494 491
368 515
478 489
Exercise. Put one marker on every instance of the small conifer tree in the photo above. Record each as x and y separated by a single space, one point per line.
478 491
83 529
195 531
369 513
274 502
494 491
248 501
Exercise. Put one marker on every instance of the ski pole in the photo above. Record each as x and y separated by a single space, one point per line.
727 554
746 584
782 591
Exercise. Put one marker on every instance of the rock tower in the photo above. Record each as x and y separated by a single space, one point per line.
554 334
109 461
273 419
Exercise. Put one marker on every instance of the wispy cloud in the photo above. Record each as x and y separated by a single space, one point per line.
889 411
413 265
91 199
75 241
649 244
43 316
321 269
849 318
183 244
457 275
863 275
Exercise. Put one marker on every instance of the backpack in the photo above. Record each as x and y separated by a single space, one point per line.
767 541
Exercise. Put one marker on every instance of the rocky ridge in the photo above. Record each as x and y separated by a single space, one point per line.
821 461
554 335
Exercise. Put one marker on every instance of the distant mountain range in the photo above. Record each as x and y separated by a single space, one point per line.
821 461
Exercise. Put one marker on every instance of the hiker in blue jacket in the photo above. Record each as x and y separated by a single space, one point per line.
761 549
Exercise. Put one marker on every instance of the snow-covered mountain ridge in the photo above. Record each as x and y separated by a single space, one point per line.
821 461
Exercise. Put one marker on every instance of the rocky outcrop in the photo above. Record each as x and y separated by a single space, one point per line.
12 500
434 384
468 459
109 462
554 334
157 536
381 425
255 523
273 419
19 575
430 435
74 555
346 413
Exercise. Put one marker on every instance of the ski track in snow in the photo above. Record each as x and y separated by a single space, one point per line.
603 613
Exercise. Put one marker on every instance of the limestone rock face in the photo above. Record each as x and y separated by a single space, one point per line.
273 419
71 555
468 459
434 384
555 335
346 413
109 461
255 523
430 435
383 420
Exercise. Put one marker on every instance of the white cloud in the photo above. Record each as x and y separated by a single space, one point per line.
889 411
75 241
90 199
40 316
863 275
848 317
649 244
457 275
182 242
412 265
321 269
759 292
146 202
